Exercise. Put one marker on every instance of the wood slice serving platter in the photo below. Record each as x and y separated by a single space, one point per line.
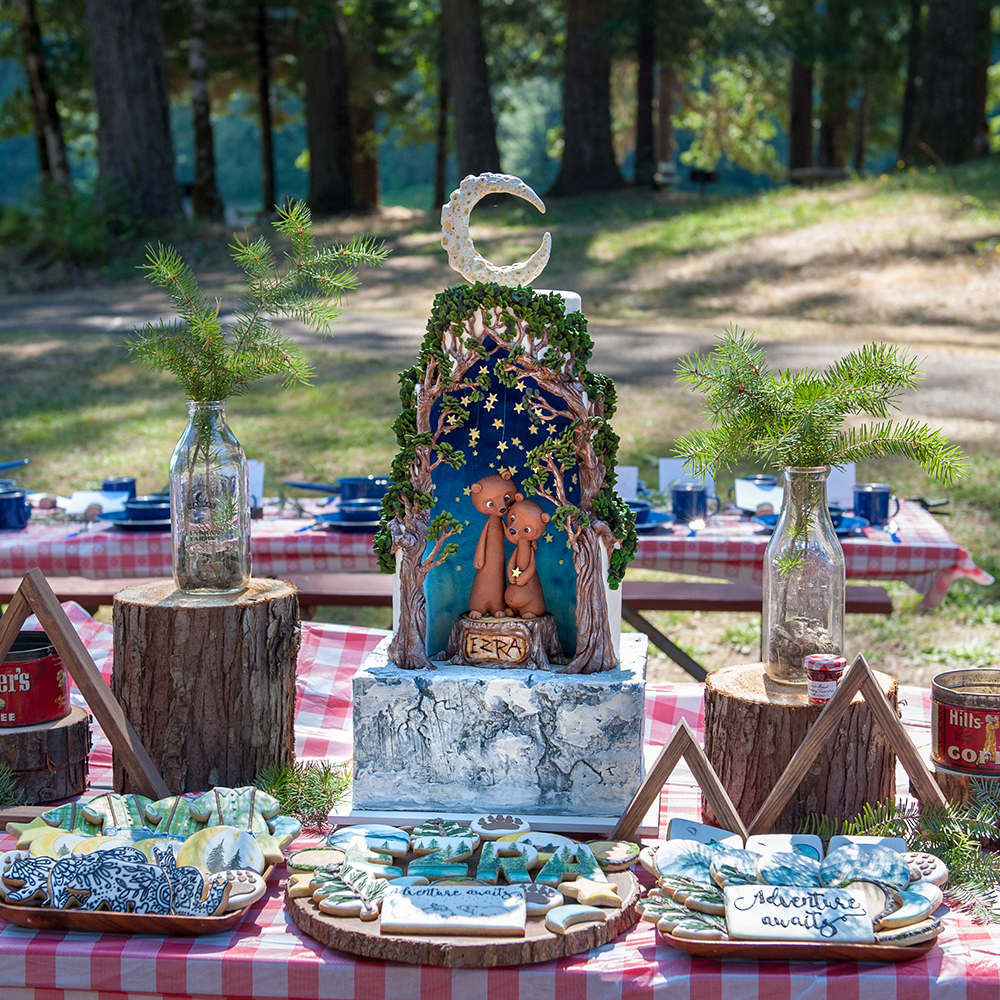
359 937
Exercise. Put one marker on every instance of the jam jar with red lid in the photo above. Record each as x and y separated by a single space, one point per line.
823 673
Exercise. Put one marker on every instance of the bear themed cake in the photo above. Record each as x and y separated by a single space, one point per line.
508 543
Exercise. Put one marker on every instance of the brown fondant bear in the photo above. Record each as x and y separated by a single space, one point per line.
491 495
525 525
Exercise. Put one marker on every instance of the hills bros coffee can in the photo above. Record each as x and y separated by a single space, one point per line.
965 721
34 686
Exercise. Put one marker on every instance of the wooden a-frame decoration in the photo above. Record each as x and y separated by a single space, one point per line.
682 745
34 595
858 678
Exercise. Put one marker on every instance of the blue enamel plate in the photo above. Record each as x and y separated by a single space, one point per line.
122 522
335 522
657 519
848 525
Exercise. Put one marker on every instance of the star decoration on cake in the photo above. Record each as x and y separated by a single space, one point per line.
501 446
515 572
519 407
548 537
474 435
498 424
467 490
491 400
533 428
516 442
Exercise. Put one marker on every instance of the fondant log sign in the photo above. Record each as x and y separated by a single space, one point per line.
444 909
758 912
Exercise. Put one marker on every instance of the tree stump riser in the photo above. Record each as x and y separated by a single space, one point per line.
49 760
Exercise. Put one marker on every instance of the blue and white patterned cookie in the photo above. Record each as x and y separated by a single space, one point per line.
860 861
102 881
788 868
688 859
378 837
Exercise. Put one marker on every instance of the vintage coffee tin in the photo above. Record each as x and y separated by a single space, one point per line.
965 721
34 687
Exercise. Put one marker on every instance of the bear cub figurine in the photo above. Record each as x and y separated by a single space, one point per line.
525 525
492 496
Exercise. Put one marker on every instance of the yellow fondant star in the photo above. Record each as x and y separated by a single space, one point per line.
467 522
465 401
491 401
474 435
519 407
533 428
591 893
515 572
572 479
560 562
474 452
501 446
516 442
548 537
498 424
467 490
458 499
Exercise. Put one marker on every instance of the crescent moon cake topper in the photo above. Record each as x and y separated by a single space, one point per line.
455 238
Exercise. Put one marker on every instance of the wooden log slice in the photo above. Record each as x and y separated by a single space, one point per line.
539 944
208 681
49 760
752 728
522 643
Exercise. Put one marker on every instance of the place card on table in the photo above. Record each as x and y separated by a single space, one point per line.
627 481
713 836
487 911
785 913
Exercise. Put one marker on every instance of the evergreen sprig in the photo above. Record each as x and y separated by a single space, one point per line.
954 834
212 362
307 790
796 419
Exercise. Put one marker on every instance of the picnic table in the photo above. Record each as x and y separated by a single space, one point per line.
266 957
729 548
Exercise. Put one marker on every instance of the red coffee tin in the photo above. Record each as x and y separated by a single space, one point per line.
34 686
965 721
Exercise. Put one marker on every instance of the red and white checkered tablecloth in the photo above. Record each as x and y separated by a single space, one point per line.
267 957
729 548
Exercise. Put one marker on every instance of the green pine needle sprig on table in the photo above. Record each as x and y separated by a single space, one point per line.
11 793
212 362
307 790
796 419
955 835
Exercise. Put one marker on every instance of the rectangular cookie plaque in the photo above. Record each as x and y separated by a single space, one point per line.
488 910
787 913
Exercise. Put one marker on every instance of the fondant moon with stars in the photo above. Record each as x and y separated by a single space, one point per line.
462 253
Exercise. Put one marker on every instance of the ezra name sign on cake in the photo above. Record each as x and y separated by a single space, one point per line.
506 683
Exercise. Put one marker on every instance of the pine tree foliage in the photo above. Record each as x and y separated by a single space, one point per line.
11 793
797 419
212 362
954 834
307 790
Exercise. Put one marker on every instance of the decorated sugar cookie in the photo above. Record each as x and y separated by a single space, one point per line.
925 930
299 884
877 898
539 899
245 887
358 894
798 843
385 839
445 848
889 843
191 893
218 848
443 828
647 858
734 867
149 845
926 867
591 893
114 812
655 908
68 816
698 929
614 855
405 880
545 843
311 858
359 855
496 825
712 836
177 815
560 918
25 879
245 808
703 898
568 863
102 881
685 859
915 904
509 859
851 862
788 868
53 844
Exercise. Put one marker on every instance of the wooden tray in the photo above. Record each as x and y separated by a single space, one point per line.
45 918
803 950
539 944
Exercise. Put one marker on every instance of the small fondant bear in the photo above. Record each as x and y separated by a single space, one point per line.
491 495
525 525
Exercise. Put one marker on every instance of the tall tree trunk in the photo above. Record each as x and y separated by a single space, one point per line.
666 98
364 142
135 153
588 160
914 50
980 77
645 160
328 120
595 647
835 84
268 188
465 56
945 126
800 124
441 134
52 161
206 200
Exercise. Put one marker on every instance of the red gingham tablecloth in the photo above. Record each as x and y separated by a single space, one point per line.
267 957
729 548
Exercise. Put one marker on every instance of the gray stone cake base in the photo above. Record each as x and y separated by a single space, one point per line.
468 738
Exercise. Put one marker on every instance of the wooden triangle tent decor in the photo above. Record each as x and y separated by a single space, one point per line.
682 745
34 595
859 678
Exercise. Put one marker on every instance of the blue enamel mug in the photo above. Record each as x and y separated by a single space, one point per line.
690 502
871 501
15 511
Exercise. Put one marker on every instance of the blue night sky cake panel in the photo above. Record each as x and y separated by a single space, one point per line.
498 436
